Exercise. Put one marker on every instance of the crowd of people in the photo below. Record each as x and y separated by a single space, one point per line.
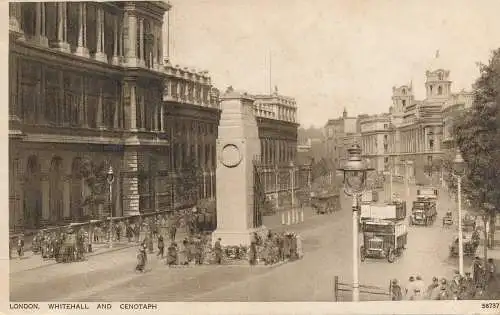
275 248
197 249
468 287
71 243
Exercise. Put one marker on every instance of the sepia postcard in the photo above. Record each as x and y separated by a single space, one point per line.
327 156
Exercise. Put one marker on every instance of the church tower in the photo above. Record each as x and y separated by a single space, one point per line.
437 83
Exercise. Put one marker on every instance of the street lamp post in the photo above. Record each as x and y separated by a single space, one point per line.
110 177
355 171
459 166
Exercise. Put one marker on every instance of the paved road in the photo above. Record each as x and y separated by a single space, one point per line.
328 251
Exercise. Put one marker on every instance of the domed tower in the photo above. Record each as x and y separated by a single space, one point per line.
401 98
437 83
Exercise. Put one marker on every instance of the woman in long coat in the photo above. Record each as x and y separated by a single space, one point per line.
141 259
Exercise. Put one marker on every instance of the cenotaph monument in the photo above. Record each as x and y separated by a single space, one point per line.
238 146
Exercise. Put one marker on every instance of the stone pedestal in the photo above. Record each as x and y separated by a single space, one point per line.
238 145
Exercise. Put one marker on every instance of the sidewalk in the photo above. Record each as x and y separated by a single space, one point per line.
31 261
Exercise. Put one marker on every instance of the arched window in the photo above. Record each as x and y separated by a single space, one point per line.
56 190
440 76
440 90
32 194
430 89
404 91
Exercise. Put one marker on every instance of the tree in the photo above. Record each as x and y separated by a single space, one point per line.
476 132
94 176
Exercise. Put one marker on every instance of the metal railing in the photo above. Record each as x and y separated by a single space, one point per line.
367 290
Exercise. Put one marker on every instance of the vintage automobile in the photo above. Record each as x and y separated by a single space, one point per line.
383 239
448 219
470 246
423 212
430 193
469 221
325 203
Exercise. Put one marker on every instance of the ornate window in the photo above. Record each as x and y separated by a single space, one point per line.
109 101
54 111
29 91
92 93
440 90
72 98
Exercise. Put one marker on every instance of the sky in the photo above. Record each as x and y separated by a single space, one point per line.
333 54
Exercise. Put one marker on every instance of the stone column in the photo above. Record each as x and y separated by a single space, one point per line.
67 196
132 107
179 90
115 60
141 42
425 140
130 187
62 42
99 120
100 55
130 43
155 46
40 24
82 49
45 197
15 17
162 118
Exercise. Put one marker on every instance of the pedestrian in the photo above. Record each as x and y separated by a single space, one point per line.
198 251
410 288
137 232
11 245
433 289
456 283
150 243
172 254
477 271
183 254
218 251
129 232
161 246
172 231
444 292
490 271
396 294
419 289
20 246
141 259
252 256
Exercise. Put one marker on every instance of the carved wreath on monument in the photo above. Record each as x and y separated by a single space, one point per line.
231 155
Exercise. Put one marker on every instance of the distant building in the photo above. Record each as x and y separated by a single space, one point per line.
337 133
415 133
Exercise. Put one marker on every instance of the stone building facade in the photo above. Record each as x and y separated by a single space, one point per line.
374 140
89 90
414 136
277 124
339 133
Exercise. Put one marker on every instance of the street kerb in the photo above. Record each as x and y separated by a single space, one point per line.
372 293
94 253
